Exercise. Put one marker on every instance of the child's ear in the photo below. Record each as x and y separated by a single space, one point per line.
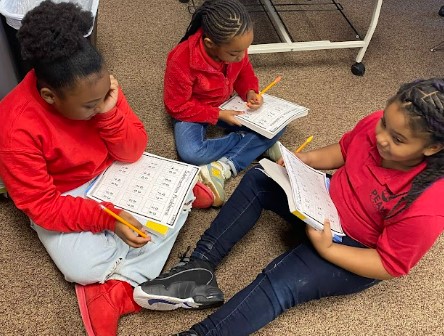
208 43
47 95
433 149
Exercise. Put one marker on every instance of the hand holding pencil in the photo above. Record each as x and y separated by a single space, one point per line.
126 226
255 100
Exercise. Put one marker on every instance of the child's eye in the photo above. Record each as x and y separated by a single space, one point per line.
397 140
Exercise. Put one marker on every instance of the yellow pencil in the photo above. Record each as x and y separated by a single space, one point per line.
269 86
301 147
123 221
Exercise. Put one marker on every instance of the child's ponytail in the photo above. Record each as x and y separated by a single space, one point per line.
195 24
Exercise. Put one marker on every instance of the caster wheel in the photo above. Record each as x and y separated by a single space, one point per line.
358 69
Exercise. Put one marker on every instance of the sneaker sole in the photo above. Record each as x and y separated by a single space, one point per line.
219 193
165 303
81 299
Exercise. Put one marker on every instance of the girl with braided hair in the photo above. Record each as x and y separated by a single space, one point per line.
390 172
63 125
202 72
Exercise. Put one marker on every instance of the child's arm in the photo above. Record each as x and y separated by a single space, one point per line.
365 262
33 191
246 80
179 98
121 130
325 158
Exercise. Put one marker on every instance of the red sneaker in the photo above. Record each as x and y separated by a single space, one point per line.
101 306
204 196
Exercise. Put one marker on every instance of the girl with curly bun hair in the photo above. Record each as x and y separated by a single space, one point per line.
63 125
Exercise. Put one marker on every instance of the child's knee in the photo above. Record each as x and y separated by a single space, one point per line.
196 155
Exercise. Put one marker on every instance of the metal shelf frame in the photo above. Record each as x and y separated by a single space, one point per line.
287 42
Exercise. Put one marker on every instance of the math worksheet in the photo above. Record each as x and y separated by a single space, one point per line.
310 190
274 114
153 187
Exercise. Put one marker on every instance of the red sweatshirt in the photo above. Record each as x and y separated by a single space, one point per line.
43 154
195 85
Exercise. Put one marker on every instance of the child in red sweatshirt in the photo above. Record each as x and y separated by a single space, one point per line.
63 125
202 72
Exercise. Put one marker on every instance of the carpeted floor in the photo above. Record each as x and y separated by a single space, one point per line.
135 37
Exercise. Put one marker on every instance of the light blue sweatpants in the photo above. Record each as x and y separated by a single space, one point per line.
86 257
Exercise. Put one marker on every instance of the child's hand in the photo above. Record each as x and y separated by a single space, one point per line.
229 116
129 236
254 100
321 240
111 97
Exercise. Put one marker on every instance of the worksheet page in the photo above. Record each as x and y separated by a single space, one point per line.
273 113
153 187
310 191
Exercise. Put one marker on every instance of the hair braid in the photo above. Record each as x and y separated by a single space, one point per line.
220 20
423 102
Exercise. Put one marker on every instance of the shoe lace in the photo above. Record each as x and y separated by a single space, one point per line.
184 258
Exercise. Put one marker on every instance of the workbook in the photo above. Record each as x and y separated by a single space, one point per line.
306 189
274 114
153 189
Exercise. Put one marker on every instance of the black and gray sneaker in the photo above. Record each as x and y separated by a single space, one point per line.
187 333
189 285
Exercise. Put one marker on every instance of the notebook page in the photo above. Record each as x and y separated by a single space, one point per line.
153 187
309 191
273 113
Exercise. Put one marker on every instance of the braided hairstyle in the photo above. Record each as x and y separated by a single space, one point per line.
221 20
423 103
52 41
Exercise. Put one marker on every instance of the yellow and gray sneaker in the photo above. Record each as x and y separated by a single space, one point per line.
213 175
274 152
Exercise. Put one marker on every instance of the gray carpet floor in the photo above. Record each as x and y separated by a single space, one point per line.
135 37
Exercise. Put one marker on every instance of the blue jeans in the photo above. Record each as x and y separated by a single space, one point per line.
241 146
297 276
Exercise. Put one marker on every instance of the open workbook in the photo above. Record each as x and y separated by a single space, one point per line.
274 114
153 189
306 189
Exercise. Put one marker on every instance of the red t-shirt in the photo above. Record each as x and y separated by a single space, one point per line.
195 85
43 154
364 192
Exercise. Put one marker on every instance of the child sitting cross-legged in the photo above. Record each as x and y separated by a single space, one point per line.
208 65
62 126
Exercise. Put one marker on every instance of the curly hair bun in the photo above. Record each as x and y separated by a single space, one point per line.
52 31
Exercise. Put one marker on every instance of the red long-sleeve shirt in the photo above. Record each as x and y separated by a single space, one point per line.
43 154
195 85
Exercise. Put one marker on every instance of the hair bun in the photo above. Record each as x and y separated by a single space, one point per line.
53 30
